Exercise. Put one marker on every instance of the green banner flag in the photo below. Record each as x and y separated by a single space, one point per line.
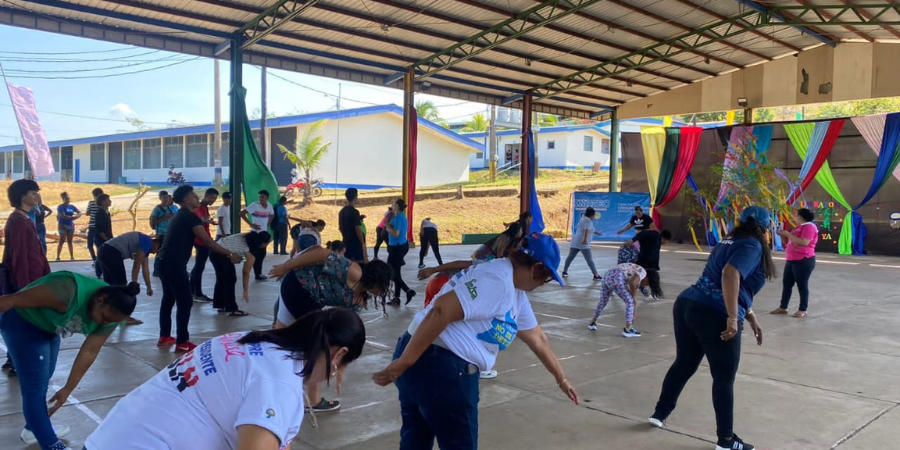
256 175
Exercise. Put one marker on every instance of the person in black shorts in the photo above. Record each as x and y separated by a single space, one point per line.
639 221
350 225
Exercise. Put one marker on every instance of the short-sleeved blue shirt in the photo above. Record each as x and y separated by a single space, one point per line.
745 254
401 224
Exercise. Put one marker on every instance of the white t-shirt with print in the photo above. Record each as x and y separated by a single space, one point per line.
630 269
224 215
585 224
260 215
494 312
199 401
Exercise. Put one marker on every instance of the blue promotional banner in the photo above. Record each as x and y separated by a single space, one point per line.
614 211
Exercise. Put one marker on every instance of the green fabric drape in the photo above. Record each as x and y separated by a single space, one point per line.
668 163
257 175
825 179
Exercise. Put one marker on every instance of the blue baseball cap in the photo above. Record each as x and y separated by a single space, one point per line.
757 213
543 248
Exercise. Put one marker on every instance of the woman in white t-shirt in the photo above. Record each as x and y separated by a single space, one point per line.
241 391
624 280
243 245
581 242
478 313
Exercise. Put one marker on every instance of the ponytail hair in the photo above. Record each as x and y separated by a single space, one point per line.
121 299
313 335
653 282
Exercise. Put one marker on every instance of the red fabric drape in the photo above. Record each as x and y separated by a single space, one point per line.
413 163
834 129
687 153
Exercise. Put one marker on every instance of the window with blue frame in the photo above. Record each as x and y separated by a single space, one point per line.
588 143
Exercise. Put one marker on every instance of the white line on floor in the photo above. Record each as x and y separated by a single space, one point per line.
844 263
691 253
885 266
72 400
377 345
555 317
365 406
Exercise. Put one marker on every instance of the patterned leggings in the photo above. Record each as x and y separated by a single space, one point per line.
614 281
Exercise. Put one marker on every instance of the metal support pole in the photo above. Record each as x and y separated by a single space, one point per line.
492 144
217 136
236 133
409 82
264 113
748 116
524 150
614 137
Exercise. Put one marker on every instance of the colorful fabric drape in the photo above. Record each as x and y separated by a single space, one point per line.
413 167
687 141
256 174
537 222
37 150
813 142
872 129
654 143
759 136
711 237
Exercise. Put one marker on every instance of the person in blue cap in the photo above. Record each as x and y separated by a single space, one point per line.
709 318
477 314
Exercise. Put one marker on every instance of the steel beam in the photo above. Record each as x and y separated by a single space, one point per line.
505 31
614 136
236 133
717 32
812 33
524 150
409 108
273 18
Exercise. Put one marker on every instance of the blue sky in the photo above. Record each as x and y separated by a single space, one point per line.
180 94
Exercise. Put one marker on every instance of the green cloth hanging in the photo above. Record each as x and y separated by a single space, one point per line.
257 175
668 164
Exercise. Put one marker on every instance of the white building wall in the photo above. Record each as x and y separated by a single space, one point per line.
555 157
84 174
578 157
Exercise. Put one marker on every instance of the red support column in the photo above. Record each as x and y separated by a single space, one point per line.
525 156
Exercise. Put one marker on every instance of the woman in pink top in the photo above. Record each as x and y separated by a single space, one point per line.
800 254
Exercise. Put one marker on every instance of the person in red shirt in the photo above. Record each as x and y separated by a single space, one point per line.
202 251
23 255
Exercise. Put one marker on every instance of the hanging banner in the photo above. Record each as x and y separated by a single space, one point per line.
36 147
614 211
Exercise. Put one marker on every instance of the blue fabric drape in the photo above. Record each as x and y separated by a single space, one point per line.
537 223
888 158
763 135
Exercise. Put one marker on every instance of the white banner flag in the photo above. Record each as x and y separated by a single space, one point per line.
36 146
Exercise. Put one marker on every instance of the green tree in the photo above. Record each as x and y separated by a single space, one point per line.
427 110
308 153
477 123
548 120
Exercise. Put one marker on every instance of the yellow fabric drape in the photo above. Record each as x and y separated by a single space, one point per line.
667 121
654 141
729 118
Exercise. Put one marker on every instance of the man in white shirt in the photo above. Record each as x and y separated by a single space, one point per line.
259 216
224 215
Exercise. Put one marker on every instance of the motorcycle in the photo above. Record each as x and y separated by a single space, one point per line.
296 188
175 178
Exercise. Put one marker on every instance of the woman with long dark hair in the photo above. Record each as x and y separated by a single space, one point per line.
800 261
239 391
319 277
709 318
436 363
34 319
398 247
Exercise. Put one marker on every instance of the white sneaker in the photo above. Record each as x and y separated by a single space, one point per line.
488 374
656 422
28 437
592 326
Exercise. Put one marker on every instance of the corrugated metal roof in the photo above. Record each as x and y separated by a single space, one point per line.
367 40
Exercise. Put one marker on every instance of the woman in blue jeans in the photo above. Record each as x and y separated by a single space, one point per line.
33 321
709 319
477 314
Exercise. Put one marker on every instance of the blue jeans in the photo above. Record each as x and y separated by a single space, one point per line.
438 399
42 235
34 354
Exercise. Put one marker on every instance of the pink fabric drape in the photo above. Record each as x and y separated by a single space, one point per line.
36 148
687 152
872 129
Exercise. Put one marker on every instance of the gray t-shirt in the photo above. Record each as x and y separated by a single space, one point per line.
129 243
236 243
585 224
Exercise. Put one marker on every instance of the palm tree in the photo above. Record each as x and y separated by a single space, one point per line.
477 123
428 111
308 153
548 120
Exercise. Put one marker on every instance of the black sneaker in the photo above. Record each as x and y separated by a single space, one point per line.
261 277
409 296
735 443
7 365
326 406
202 298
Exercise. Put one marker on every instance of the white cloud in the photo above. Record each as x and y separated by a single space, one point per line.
122 110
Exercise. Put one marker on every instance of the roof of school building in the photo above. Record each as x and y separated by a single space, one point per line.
254 124
599 127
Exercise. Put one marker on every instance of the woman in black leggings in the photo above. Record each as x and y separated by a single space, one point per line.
398 247
709 319
428 237
800 256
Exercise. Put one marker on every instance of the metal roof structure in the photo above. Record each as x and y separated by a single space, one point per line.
580 58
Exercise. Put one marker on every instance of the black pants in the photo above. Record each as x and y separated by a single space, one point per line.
97 242
698 330
92 233
797 272
226 278
260 255
279 238
197 272
396 255
380 238
113 264
430 238
176 291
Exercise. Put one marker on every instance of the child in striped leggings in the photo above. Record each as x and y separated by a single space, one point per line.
624 280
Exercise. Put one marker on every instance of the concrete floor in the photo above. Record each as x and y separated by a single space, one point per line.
827 381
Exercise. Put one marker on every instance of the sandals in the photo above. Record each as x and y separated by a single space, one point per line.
237 313
132 321
779 311
800 314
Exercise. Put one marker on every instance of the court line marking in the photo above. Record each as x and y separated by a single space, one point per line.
555 317
377 345
691 253
884 266
72 400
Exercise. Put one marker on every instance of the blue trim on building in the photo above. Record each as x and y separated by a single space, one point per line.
358 186
255 124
